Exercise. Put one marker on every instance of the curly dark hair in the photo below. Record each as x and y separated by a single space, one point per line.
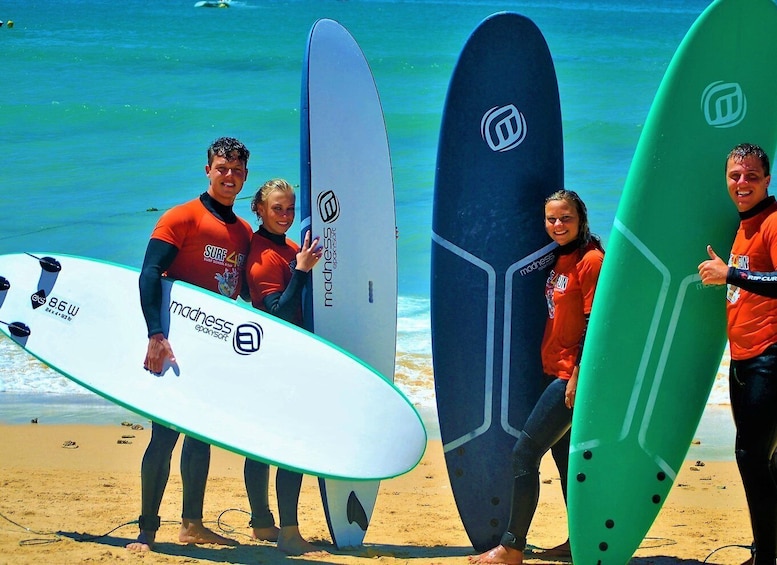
229 148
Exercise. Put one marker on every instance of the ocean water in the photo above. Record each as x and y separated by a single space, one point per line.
106 109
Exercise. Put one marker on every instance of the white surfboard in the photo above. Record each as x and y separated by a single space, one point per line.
347 198
243 380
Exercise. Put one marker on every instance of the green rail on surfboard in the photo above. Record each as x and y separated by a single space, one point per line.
231 376
656 334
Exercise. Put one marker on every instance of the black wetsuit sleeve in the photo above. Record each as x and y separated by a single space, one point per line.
159 257
245 292
582 340
285 304
763 284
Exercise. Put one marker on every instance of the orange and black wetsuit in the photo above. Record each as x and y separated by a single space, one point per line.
204 243
569 292
275 286
752 332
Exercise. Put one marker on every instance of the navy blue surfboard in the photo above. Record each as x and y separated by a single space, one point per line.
500 154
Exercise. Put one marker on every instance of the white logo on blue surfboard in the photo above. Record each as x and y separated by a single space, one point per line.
724 104
503 128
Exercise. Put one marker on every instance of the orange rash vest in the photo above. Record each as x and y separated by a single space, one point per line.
570 293
211 253
752 318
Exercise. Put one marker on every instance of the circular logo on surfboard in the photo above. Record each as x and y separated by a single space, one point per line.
247 338
503 128
724 104
328 206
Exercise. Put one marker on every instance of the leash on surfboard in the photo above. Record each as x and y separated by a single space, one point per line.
750 548
226 528
75 536
53 536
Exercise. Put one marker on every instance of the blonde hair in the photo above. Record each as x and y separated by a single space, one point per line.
268 188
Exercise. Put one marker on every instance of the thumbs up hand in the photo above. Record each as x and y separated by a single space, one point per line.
714 270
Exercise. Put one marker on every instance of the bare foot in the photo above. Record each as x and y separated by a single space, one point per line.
145 542
291 542
194 531
500 554
265 534
561 550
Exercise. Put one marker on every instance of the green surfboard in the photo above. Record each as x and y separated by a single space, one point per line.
656 334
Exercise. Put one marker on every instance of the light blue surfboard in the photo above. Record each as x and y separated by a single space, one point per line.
347 199
500 154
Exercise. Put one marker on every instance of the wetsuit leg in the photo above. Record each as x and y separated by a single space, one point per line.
560 451
548 422
287 488
753 389
154 473
195 463
257 478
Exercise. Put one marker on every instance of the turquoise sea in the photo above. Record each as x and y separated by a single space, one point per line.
106 109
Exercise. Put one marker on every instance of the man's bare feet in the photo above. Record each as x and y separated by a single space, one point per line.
561 550
145 542
265 534
291 542
194 531
499 555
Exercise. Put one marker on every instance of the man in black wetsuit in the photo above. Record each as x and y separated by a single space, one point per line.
178 250
751 308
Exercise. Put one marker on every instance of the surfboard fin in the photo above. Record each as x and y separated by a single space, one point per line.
18 329
48 264
355 512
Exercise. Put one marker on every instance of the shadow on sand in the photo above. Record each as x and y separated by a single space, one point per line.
266 553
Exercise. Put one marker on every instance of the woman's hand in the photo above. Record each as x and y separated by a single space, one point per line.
571 392
309 254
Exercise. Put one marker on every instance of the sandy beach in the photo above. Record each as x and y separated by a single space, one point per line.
71 493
